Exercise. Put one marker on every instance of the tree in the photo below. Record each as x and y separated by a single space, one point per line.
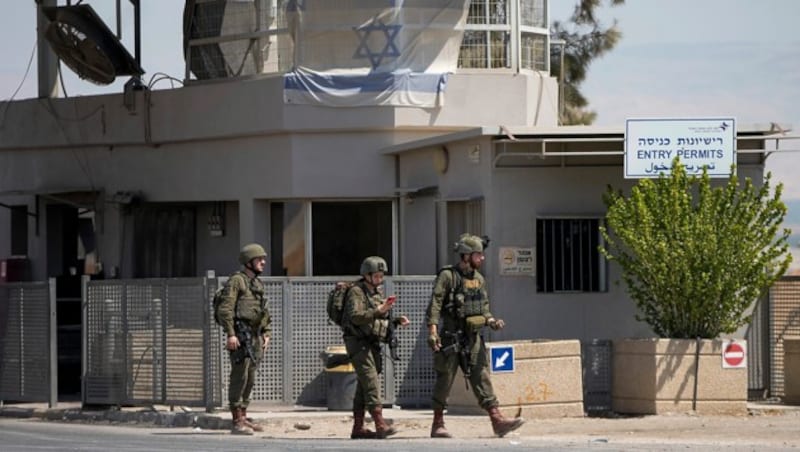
695 258
585 39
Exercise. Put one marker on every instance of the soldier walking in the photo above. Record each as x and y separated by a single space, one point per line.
245 318
460 303
366 324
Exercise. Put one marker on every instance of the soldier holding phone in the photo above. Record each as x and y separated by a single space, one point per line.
366 323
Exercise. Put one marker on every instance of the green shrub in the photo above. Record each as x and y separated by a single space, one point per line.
695 257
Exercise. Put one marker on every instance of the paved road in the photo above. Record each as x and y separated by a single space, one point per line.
649 433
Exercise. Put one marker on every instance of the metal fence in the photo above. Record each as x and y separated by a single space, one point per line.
28 361
293 371
147 341
784 315
154 341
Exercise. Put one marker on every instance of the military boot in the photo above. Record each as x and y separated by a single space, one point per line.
359 432
382 429
238 426
437 428
253 426
502 425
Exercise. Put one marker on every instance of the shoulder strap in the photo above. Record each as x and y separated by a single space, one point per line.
457 283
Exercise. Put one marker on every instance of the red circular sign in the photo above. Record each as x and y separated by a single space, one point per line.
733 354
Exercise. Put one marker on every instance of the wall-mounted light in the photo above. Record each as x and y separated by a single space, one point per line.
216 221
441 159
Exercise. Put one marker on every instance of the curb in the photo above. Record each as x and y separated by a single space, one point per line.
155 418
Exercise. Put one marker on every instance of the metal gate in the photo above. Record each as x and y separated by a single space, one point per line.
147 341
28 360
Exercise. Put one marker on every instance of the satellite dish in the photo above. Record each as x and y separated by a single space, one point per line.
83 42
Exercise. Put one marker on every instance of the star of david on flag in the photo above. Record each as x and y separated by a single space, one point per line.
389 49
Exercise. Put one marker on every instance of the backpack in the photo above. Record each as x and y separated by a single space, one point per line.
336 299
217 300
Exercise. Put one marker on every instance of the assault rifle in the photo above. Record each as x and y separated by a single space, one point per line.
460 345
391 338
246 342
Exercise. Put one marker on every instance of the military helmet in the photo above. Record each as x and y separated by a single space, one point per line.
250 252
468 244
373 264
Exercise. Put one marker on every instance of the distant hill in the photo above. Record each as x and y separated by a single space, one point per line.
793 216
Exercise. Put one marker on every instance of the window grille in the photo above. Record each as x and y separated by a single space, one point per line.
533 52
567 258
490 33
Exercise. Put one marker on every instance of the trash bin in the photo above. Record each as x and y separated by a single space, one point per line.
341 378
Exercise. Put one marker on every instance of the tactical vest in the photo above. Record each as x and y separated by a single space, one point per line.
378 330
465 298
251 306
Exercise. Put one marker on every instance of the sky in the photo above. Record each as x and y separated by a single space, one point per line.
676 58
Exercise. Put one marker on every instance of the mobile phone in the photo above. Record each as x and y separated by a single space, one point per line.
391 298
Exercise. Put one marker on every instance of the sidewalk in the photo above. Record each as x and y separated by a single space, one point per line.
767 424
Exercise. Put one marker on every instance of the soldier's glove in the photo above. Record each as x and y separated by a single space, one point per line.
496 324
433 342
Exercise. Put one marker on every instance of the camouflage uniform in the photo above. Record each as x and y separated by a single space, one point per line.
461 304
365 324
364 330
250 322
453 321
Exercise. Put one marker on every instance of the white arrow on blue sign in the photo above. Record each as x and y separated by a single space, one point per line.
502 358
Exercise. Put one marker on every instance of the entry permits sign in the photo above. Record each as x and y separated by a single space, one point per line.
652 144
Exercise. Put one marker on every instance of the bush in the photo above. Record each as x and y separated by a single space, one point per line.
695 258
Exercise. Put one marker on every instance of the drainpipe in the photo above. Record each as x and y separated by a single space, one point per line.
47 62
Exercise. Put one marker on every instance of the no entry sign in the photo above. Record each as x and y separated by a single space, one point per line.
734 354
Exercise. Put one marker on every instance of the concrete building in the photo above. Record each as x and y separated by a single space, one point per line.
170 183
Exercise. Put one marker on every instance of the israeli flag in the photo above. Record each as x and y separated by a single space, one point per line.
373 52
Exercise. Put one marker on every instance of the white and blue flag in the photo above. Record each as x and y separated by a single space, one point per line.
373 52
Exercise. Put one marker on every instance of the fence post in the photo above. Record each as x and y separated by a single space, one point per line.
52 332
288 357
84 337
390 391
208 356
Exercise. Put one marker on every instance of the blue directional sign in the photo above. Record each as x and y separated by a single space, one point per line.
502 358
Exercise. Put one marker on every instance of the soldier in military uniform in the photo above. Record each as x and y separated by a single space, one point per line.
366 323
245 319
460 303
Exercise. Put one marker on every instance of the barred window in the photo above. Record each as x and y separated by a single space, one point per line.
533 51
567 259
488 12
531 13
492 39
487 36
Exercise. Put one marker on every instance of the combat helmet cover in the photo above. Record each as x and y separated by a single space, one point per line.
373 264
250 252
468 244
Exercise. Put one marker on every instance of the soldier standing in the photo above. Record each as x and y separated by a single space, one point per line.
245 319
461 304
366 324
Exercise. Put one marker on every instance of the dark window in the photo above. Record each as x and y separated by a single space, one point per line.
567 259
164 241
19 230
344 233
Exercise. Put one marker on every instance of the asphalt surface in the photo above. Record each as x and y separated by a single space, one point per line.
766 427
